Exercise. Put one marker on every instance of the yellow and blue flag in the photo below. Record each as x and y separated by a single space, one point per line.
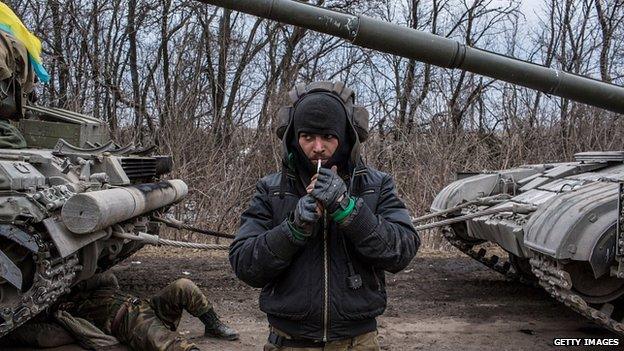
10 23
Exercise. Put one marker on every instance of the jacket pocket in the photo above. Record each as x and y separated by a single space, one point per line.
281 206
288 296
367 302
370 195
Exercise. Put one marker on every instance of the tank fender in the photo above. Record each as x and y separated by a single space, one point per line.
577 225
67 242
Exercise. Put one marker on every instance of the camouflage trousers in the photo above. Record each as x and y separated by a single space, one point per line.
150 326
364 342
10 136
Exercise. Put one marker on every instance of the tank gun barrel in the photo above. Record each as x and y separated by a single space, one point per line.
429 48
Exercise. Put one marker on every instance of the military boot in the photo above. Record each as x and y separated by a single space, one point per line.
215 328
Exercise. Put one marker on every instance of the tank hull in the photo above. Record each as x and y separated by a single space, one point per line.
568 240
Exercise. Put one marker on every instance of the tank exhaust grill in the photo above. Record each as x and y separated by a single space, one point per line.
139 167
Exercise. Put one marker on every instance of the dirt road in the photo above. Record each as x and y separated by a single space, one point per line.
440 302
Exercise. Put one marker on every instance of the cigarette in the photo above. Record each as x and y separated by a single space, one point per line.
318 166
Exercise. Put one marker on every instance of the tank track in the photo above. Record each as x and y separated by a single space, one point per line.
494 262
558 284
53 278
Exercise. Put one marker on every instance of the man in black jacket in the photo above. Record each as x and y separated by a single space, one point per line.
319 236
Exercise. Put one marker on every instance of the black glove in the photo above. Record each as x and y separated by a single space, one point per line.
329 189
305 216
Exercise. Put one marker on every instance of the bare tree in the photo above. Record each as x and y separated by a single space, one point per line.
204 84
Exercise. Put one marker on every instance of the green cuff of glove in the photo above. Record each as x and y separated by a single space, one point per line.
339 215
296 233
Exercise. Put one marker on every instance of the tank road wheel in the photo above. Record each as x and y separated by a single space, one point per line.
574 284
592 290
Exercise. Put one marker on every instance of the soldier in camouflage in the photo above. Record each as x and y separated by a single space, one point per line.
145 324
98 309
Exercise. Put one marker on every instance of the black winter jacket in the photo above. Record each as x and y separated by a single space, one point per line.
304 285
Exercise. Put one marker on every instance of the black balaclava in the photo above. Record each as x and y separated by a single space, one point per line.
321 113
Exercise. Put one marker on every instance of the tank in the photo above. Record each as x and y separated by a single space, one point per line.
553 225
72 202
556 224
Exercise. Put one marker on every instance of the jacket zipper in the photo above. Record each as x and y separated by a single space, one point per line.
326 278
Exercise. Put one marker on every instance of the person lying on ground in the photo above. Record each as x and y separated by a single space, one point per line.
98 309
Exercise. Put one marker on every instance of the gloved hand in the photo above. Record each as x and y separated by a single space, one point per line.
304 217
330 190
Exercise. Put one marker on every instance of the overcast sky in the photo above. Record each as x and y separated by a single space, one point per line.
530 8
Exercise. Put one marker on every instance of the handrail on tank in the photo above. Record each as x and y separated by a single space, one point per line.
429 48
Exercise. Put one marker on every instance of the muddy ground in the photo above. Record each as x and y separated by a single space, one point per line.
440 302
